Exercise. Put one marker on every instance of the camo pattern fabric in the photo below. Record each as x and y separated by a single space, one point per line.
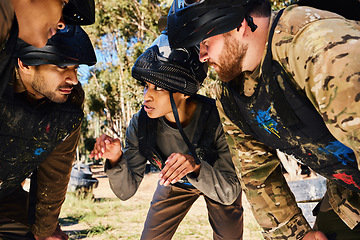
321 51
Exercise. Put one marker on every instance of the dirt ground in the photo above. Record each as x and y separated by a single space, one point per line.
145 192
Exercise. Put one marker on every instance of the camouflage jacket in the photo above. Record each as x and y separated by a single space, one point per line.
321 51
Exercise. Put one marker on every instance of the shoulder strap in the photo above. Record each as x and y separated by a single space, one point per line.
207 124
232 110
147 128
205 131
181 130
272 71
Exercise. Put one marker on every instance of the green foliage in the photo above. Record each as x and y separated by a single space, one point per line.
122 31
71 219
98 229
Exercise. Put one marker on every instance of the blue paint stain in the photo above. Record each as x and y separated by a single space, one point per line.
39 151
265 121
340 151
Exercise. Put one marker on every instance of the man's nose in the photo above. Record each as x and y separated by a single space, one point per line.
71 78
203 56
147 94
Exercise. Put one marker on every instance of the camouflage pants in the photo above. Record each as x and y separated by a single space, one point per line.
334 228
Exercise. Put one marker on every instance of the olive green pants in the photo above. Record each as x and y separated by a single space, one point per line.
334 228
170 205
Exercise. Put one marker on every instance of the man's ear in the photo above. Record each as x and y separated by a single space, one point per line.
242 27
22 66
186 96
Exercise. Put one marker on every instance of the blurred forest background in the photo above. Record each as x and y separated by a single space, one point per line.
122 31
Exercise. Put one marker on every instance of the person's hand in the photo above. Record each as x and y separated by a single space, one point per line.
176 167
57 235
107 147
315 235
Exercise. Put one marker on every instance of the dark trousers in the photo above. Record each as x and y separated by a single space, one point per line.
12 230
334 228
13 216
170 205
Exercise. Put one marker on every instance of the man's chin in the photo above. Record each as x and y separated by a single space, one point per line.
61 99
219 72
151 115
224 78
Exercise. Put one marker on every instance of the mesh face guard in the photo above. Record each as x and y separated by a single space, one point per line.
69 46
191 21
177 70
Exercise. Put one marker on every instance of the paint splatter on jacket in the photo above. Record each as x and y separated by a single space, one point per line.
49 139
320 51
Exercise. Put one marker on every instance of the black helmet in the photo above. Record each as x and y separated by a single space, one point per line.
69 46
175 70
79 12
191 21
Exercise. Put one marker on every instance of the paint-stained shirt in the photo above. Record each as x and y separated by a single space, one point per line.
321 52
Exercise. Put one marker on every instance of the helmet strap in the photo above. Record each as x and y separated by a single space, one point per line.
181 130
251 23
238 28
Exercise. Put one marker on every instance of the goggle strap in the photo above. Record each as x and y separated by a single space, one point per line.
181 130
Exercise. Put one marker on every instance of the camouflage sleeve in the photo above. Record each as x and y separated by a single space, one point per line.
258 168
324 59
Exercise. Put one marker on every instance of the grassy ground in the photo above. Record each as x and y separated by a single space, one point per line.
107 217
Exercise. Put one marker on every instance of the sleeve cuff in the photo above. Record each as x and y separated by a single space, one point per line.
107 165
43 231
294 229
201 175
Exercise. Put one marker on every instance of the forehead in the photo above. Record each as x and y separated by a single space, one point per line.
149 84
213 38
52 67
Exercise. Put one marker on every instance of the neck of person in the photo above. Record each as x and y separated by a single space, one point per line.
256 43
186 110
